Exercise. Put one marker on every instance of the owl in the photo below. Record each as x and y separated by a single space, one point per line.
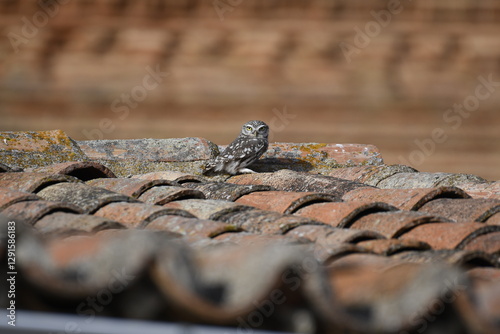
242 152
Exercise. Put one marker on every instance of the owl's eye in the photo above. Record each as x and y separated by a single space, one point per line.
262 129
249 128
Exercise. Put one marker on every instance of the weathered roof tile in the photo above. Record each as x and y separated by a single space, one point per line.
427 180
225 191
282 201
405 199
160 195
31 211
64 223
130 187
370 175
393 246
88 199
82 170
342 214
207 209
32 181
170 175
9 197
462 210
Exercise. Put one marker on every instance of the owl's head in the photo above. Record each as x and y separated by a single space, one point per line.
256 129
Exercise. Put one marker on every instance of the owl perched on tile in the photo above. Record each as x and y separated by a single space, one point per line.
242 152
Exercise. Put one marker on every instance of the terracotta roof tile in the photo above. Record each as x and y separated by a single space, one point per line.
449 235
342 214
9 197
286 180
281 201
268 222
225 191
88 199
31 211
32 181
482 190
394 224
370 175
137 215
191 227
462 210
488 243
82 170
207 209
170 175
404 199
494 220
160 195
38 148
64 223
130 187
427 180
464 258
393 246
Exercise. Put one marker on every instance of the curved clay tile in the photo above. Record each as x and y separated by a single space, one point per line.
64 223
160 195
32 211
9 197
283 201
266 222
170 175
426 180
32 181
82 170
404 199
137 215
464 258
130 187
390 247
462 210
370 175
482 190
394 224
488 243
287 180
191 227
208 208
226 191
88 199
449 235
342 214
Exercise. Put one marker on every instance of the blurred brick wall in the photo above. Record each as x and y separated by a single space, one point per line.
66 64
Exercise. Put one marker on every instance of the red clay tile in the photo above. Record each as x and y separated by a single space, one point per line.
426 180
82 170
287 180
137 215
87 198
324 155
482 190
329 235
207 209
488 243
393 246
405 199
342 214
191 227
63 223
281 201
171 149
9 197
449 235
462 210
226 191
463 258
31 211
267 222
170 175
31 181
28 149
249 239
160 195
394 224
370 175
494 220
130 187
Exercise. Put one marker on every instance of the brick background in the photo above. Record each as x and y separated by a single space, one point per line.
71 69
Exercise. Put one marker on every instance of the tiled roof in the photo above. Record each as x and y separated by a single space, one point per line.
130 228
